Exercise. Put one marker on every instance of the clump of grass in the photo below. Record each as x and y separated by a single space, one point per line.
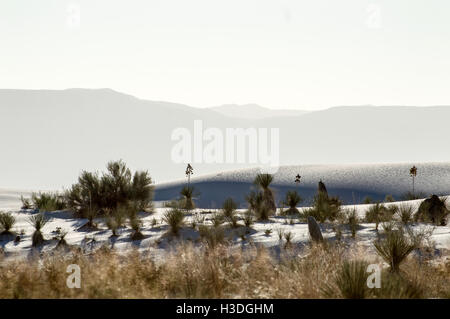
38 221
248 219
48 202
292 200
352 221
395 247
187 193
377 213
217 219
229 212
136 224
324 208
288 236
280 233
389 199
26 203
175 219
7 221
259 206
350 280
212 236
406 213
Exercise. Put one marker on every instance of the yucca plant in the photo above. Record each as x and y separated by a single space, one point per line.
187 193
259 206
136 224
406 213
263 181
212 236
292 200
62 239
353 221
288 236
26 203
229 212
394 247
7 221
376 214
351 280
38 221
248 218
175 219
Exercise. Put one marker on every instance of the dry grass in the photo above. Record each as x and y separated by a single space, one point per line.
202 272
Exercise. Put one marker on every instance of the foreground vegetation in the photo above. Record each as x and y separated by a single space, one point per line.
332 271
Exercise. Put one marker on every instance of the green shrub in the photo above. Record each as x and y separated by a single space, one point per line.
48 202
38 221
351 280
187 193
389 199
263 181
175 219
324 208
7 221
352 221
248 218
26 203
259 206
292 200
406 213
229 212
377 213
116 187
395 247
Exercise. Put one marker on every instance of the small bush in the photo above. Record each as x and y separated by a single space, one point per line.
175 219
395 247
259 205
352 221
351 280
248 218
229 212
38 221
292 200
406 213
376 213
212 236
26 203
389 199
187 193
7 221
48 202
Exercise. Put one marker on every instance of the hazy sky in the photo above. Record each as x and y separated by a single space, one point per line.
281 54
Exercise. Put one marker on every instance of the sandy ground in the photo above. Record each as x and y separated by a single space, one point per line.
157 242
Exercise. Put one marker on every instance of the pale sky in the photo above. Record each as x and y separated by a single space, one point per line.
280 54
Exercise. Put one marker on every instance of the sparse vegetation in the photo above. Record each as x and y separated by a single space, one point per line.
263 181
406 213
229 212
187 193
7 221
38 221
395 247
116 187
292 200
175 219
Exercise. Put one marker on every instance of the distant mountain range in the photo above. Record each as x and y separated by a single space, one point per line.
254 111
48 136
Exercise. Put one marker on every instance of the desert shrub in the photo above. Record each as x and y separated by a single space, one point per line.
259 205
396 286
350 280
229 212
115 187
395 247
248 218
378 213
406 213
389 199
367 200
111 223
352 221
263 181
26 203
38 221
136 224
212 236
433 210
175 219
288 236
187 193
324 208
292 200
48 202
7 221
217 219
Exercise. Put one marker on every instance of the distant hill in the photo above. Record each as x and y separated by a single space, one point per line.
351 182
253 111
48 136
